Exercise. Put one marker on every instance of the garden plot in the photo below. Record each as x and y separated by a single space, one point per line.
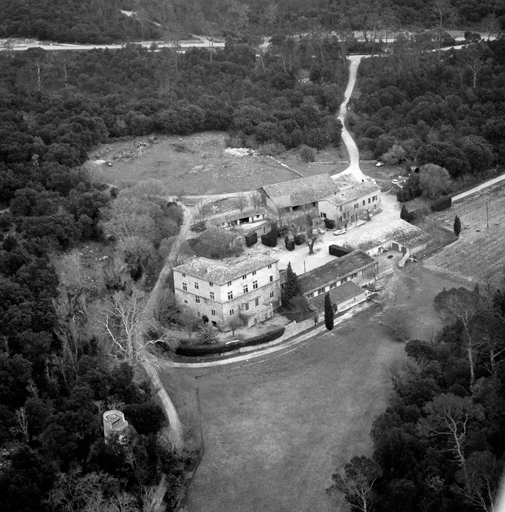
478 253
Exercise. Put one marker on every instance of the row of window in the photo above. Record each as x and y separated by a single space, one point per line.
245 288
333 285
246 305
229 282
356 205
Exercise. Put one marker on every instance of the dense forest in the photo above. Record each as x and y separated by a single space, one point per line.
445 108
440 445
67 351
99 21
56 107
58 372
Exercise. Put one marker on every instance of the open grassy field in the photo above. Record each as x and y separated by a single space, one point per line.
276 427
200 164
479 251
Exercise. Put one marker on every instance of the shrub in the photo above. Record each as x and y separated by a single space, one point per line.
221 348
329 223
270 239
146 418
406 215
441 204
207 335
251 239
300 239
271 148
307 154
336 250
198 227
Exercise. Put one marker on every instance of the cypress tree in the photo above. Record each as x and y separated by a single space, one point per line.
328 312
291 286
457 226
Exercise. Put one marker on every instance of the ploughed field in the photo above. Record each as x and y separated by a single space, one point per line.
478 253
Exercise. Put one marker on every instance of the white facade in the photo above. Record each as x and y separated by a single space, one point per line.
222 290
349 205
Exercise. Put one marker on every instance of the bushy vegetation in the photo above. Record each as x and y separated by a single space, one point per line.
97 21
441 108
439 445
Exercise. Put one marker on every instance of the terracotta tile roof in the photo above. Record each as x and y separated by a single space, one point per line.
346 195
223 271
398 231
301 191
335 269
340 294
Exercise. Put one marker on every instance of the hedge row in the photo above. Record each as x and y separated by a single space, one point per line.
221 348
251 239
268 240
441 204
338 251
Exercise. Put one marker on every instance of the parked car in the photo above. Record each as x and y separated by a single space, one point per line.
339 232
395 182
321 231
380 164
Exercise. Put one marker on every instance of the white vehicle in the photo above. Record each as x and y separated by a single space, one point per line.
379 164
339 232
395 182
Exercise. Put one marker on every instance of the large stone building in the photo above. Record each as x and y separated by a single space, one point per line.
351 203
300 194
220 290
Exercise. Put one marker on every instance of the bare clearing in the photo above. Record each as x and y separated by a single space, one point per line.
276 427
478 254
199 164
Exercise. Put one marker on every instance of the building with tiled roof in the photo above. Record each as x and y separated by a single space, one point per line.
218 291
300 194
342 297
351 203
399 235
356 266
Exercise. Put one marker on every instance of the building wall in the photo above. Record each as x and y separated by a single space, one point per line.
223 221
256 296
361 276
345 212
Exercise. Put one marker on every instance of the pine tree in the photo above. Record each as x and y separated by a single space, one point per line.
457 226
291 286
328 312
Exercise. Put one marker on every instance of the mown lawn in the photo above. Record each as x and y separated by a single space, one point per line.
275 429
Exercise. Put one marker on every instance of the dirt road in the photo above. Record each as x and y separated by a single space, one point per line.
352 149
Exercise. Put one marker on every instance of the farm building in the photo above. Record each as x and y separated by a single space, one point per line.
342 297
351 203
245 222
398 236
300 194
220 290
356 266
